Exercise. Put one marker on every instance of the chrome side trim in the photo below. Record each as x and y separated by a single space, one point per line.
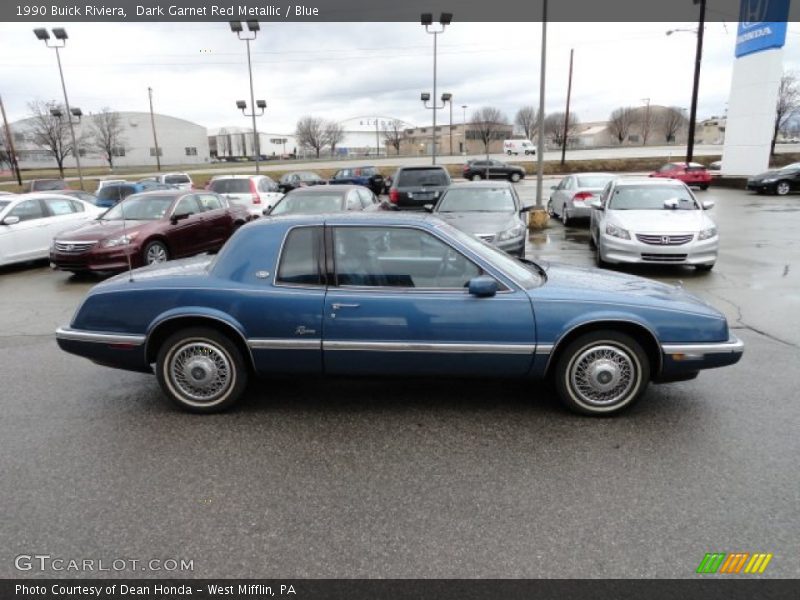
733 346
429 347
284 344
76 335
544 348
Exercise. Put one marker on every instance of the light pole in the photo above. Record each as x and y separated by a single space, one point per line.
253 27
464 110
646 125
451 125
61 35
698 57
427 21
425 97
540 125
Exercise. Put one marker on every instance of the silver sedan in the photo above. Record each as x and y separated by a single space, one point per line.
571 198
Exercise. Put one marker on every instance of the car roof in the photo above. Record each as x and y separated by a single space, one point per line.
323 189
351 218
593 174
480 184
653 181
235 176
422 168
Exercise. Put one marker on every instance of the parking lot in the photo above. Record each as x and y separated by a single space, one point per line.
417 478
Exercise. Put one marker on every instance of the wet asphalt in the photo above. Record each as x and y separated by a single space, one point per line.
416 478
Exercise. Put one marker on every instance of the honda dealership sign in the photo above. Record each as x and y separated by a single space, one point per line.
762 25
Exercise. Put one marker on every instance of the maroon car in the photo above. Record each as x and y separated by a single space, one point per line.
149 227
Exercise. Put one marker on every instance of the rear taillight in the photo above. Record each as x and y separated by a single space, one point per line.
582 196
254 193
394 196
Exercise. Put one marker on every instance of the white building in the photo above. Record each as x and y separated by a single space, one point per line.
180 142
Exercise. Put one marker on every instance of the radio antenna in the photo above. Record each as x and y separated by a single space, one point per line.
124 236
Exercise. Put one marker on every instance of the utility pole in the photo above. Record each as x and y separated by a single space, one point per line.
12 153
566 114
698 57
540 140
153 123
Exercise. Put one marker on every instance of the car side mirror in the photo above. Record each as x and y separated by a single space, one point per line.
482 286
428 208
179 217
708 204
596 204
10 220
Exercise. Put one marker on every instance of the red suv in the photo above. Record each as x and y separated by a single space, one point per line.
150 227
689 173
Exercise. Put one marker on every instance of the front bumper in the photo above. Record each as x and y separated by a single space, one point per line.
760 186
689 358
97 259
694 252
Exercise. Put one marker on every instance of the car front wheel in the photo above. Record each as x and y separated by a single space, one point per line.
782 188
155 252
515 177
201 370
476 177
601 373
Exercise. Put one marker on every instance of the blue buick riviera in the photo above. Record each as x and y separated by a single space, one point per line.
388 294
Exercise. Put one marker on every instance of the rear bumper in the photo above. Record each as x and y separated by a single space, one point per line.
117 350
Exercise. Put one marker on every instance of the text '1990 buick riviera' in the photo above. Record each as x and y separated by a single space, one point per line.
389 294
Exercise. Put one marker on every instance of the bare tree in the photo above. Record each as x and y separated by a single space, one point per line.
555 130
393 134
105 135
487 124
310 133
619 123
334 134
527 120
51 132
787 106
645 123
5 153
672 120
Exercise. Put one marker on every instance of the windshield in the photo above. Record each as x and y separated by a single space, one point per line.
139 207
594 181
422 177
526 276
175 179
231 186
651 197
308 204
477 200
113 192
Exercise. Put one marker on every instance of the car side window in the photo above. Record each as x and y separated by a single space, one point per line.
187 205
399 257
604 195
28 210
267 185
77 206
562 184
209 202
58 206
300 259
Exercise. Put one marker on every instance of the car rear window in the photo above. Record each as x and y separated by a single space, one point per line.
594 181
308 204
422 177
114 192
45 185
175 179
231 186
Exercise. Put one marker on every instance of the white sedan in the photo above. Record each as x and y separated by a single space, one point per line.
29 222
650 221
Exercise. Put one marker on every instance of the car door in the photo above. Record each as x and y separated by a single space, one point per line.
185 233
218 223
29 238
63 214
399 305
557 198
497 170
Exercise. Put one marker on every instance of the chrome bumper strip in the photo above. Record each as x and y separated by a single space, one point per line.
284 344
430 347
733 346
77 335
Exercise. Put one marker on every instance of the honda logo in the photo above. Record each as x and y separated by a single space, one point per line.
665 239
70 247
753 12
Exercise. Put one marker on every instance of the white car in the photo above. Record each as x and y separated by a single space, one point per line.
649 221
253 192
180 181
29 222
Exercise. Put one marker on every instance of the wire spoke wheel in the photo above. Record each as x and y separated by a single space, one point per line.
200 371
602 375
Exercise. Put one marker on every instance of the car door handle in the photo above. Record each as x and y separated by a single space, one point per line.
337 305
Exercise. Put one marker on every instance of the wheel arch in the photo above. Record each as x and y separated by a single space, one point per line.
166 325
157 237
637 330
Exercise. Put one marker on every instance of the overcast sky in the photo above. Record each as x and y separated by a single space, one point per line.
343 70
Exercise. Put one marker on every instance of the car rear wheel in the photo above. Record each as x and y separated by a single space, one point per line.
155 252
201 370
782 188
704 187
598 255
601 373
564 216
476 177
515 177
508 152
